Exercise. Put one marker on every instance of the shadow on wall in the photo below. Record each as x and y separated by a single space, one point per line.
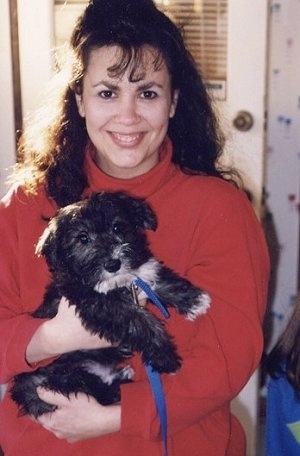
267 222
274 252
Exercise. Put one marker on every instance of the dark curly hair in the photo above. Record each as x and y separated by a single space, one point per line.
56 158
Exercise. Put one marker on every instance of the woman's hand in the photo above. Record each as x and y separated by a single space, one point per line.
79 417
61 334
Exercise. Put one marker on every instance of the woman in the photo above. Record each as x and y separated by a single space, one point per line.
134 116
283 397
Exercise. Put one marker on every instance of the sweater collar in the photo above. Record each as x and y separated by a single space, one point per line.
141 186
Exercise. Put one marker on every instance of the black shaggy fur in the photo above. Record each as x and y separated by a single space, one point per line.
95 249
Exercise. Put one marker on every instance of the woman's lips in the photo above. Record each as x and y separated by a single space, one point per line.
126 139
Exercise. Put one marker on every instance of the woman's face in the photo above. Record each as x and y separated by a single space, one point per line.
126 121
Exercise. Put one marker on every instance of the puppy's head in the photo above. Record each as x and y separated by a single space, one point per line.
98 237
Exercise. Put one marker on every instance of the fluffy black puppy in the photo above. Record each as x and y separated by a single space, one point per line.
95 249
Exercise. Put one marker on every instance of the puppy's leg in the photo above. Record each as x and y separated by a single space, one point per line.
115 316
93 372
23 392
175 291
147 335
49 307
65 382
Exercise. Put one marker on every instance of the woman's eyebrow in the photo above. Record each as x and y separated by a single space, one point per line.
140 86
150 85
108 84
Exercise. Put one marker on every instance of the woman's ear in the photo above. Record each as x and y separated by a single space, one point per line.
80 104
174 103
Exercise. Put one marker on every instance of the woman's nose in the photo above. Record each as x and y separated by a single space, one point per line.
128 111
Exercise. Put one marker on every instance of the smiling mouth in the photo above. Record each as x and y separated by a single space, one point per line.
126 139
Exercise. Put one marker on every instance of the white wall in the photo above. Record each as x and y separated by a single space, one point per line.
35 26
283 155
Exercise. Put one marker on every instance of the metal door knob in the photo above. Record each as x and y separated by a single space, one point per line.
243 121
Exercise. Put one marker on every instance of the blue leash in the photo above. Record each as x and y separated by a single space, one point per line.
153 376
158 392
152 296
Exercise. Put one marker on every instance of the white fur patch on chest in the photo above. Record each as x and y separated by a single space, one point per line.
125 278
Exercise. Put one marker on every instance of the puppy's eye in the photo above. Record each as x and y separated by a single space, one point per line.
119 227
84 237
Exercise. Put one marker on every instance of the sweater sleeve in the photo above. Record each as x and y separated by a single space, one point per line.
221 349
16 298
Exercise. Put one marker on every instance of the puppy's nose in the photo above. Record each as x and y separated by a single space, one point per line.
112 265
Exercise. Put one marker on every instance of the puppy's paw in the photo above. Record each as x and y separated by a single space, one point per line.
126 373
167 366
41 408
35 408
199 307
164 362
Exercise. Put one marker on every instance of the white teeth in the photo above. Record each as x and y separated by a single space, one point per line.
126 138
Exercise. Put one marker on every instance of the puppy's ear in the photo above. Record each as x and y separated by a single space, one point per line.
144 215
46 245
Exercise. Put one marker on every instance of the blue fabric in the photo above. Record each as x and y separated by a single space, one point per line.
282 419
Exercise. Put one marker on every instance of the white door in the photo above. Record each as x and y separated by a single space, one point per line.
246 94
246 91
242 91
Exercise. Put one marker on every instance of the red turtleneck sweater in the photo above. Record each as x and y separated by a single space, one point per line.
208 232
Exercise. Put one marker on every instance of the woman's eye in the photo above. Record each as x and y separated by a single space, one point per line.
84 238
149 94
106 94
